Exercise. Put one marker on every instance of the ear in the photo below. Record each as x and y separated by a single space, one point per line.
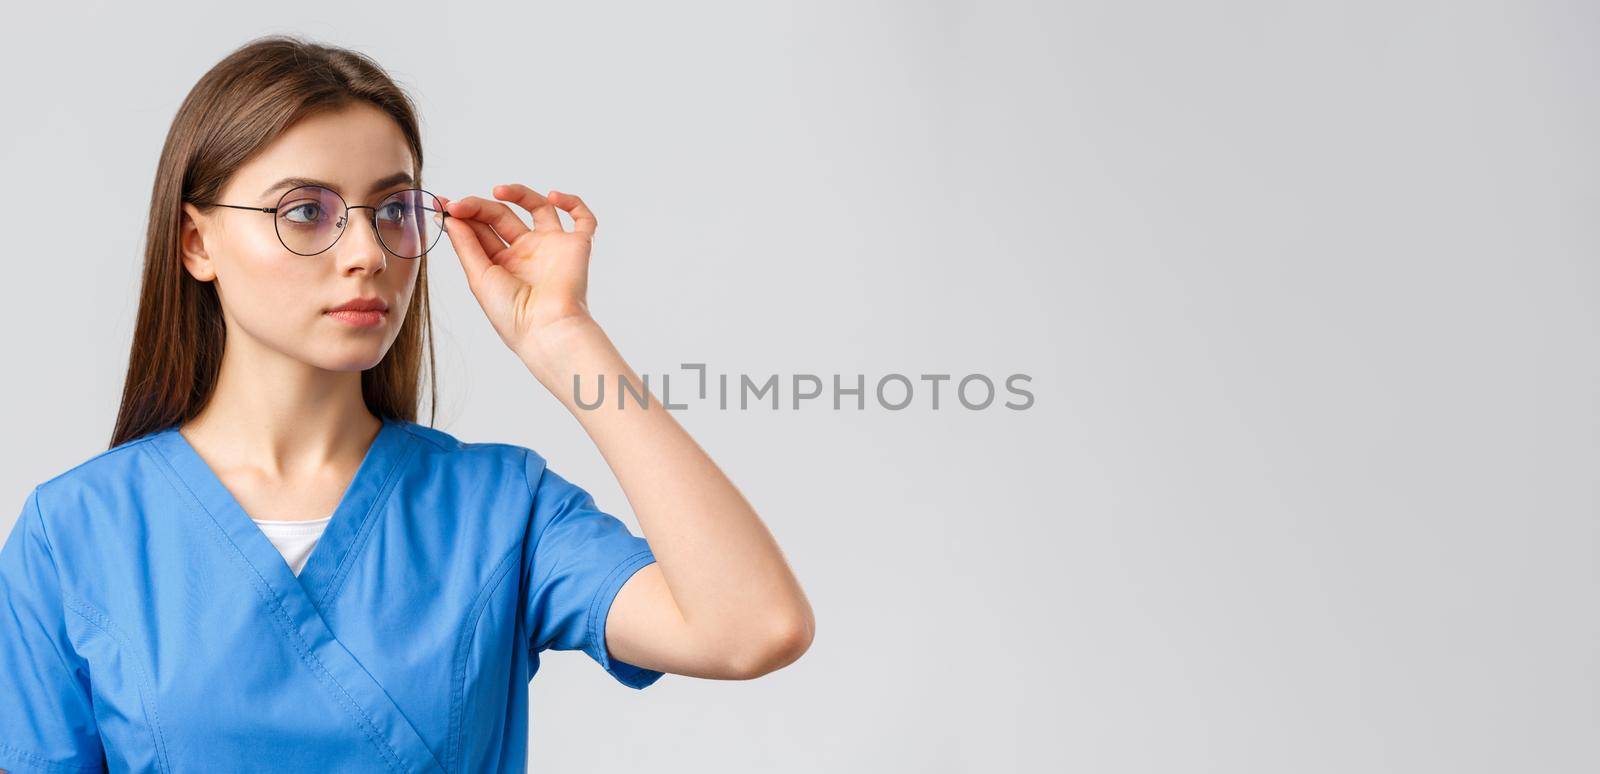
192 246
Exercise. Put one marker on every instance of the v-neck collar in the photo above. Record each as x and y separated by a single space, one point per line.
352 519
295 604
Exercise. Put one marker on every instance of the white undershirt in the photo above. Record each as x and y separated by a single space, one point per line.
294 539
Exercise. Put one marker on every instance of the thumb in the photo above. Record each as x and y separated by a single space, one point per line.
474 261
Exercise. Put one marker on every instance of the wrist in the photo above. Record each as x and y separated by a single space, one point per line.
558 350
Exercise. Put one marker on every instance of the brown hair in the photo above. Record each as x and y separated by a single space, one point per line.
236 108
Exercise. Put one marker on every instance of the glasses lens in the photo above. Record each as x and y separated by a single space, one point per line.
409 222
310 219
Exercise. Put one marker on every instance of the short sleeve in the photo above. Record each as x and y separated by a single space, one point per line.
46 717
580 559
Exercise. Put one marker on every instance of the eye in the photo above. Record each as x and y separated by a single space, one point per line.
396 212
310 212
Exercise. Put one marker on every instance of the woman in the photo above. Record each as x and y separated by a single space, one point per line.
273 557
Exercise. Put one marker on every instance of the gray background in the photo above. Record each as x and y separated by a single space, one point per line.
1307 292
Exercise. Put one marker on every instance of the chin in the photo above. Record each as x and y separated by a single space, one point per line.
349 360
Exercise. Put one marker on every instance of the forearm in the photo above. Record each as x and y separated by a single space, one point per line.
724 568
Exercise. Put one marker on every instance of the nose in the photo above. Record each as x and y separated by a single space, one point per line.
359 248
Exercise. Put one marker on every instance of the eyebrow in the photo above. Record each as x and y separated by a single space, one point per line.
295 182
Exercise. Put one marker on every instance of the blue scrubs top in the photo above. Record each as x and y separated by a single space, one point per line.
147 624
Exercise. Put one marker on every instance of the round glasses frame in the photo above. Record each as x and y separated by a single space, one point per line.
343 219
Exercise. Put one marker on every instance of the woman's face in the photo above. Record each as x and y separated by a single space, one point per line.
279 300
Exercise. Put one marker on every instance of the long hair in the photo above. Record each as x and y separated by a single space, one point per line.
236 108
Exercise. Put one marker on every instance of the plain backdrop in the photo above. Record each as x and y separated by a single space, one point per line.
1307 292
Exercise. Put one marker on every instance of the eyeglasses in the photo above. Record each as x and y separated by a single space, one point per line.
407 222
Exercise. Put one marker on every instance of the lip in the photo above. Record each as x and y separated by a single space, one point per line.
359 319
370 304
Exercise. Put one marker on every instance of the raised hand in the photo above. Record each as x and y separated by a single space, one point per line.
530 282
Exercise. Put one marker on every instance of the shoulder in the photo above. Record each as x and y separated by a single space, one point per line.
109 463
74 499
103 473
447 449
509 473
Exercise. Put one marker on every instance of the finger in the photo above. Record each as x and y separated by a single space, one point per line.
473 259
583 221
494 214
492 244
489 242
544 215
